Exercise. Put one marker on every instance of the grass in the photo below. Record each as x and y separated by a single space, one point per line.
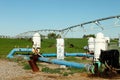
27 66
78 44
64 72
77 59
48 70
76 70
6 45
48 45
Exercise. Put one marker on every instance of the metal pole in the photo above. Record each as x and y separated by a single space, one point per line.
119 46
32 63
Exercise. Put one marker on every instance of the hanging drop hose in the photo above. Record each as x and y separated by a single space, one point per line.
111 68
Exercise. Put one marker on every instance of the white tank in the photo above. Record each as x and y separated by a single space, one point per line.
99 35
119 40
36 42
60 48
100 44
91 44
107 40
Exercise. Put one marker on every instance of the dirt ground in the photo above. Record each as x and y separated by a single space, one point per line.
13 71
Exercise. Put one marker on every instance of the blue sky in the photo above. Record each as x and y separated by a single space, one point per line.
17 16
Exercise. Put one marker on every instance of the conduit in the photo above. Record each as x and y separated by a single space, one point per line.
62 62
67 54
12 52
79 54
49 54
54 61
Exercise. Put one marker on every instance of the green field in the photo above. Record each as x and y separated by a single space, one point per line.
48 45
6 45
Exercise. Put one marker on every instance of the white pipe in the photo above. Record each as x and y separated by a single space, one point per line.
36 43
60 48
91 45
100 44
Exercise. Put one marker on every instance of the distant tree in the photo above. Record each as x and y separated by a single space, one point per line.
90 35
51 35
58 36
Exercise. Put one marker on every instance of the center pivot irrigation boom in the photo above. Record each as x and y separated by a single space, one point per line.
64 31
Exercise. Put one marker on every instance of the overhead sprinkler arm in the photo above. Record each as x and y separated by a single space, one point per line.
118 20
98 24
83 28
79 25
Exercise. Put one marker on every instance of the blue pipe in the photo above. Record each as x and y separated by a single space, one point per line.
62 62
55 61
49 54
79 54
88 67
10 55
67 54
12 52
